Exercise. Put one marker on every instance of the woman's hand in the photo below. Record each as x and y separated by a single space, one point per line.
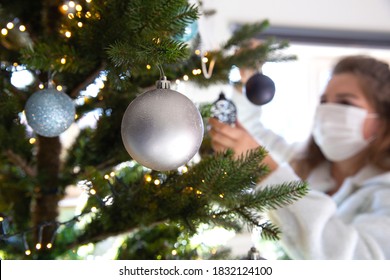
236 138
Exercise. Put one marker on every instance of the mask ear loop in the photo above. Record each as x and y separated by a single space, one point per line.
372 116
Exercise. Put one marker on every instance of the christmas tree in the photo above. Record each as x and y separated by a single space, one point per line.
126 46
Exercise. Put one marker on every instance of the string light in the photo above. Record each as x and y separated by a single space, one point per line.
88 14
185 77
50 244
157 182
32 140
59 88
65 7
72 4
27 250
41 86
197 52
63 60
22 28
10 25
80 24
79 8
4 31
148 67
148 178
38 246
68 34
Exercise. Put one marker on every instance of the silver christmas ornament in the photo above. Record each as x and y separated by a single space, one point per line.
50 112
224 110
162 129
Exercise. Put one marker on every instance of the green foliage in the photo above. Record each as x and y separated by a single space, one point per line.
217 191
119 38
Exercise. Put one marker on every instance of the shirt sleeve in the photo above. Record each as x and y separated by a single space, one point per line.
312 227
277 146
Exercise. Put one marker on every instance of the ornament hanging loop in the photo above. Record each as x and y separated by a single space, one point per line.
207 73
163 83
50 79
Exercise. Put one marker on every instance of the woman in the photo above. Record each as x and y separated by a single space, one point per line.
346 214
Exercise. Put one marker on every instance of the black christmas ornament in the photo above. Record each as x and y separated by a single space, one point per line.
259 89
224 110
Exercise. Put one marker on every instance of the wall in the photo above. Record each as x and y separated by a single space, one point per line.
362 15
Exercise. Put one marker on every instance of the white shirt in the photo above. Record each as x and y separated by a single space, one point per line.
354 223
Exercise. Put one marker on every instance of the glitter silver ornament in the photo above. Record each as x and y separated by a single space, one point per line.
224 110
49 112
162 129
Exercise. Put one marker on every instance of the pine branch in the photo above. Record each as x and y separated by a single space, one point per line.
206 194
19 161
247 31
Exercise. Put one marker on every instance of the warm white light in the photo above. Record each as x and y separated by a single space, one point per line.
59 88
63 60
79 8
92 191
22 78
205 59
68 34
148 178
10 25
32 141
49 245
185 78
38 246
72 4
157 182
22 28
27 252
65 7
4 31
80 24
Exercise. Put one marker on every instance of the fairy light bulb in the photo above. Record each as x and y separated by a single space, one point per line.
10 25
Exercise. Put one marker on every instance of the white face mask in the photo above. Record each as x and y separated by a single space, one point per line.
338 130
